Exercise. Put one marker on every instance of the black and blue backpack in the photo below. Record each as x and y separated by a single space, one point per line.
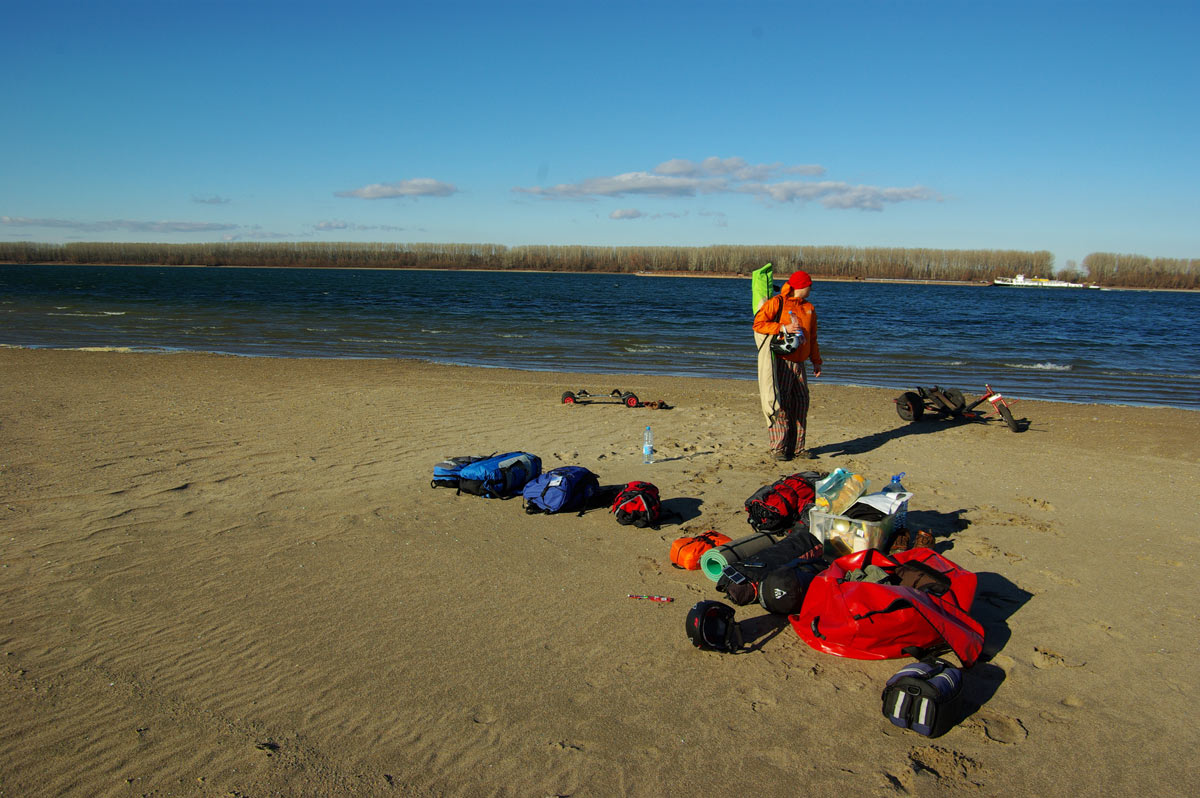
445 473
500 476
925 697
559 490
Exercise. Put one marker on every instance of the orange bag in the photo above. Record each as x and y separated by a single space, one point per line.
686 552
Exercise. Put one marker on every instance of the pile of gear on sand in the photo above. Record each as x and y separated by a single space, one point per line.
838 562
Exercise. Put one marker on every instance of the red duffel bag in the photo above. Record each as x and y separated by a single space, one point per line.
870 620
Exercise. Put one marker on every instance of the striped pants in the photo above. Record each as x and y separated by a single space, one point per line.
791 387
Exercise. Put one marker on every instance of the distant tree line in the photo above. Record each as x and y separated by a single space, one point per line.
1139 271
889 263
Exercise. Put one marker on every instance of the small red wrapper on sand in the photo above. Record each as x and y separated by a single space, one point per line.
663 599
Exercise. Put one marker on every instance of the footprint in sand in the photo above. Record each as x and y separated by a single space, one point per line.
485 714
1049 528
1046 658
1107 629
648 566
999 728
953 769
990 514
948 770
1159 561
1004 662
982 548
1069 581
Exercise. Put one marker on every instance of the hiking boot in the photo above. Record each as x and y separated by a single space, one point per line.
805 454
923 540
899 543
781 457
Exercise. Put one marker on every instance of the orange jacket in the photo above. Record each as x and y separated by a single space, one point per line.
770 319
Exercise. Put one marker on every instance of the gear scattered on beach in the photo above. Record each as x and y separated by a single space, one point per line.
616 395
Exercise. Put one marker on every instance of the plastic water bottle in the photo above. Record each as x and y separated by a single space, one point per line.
648 446
895 487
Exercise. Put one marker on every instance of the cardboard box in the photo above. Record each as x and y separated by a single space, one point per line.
843 535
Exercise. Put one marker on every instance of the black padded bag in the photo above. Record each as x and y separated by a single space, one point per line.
741 581
925 697
782 591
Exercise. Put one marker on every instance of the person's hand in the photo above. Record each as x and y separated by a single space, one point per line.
794 327
816 371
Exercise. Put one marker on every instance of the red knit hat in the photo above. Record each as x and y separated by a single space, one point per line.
799 280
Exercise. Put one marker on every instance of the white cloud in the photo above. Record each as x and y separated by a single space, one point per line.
634 213
682 178
210 200
736 169
257 232
721 220
130 225
839 195
636 183
416 187
340 225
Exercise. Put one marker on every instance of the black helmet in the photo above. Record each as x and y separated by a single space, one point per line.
710 625
786 343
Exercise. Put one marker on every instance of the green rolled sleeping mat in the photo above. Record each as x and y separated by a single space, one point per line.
762 286
713 561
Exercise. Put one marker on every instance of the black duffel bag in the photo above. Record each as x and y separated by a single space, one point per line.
777 576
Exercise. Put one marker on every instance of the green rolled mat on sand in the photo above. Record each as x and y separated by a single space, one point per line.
713 561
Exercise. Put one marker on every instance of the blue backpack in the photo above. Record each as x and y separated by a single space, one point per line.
500 476
446 473
560 489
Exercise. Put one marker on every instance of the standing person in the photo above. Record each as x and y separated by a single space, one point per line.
790 311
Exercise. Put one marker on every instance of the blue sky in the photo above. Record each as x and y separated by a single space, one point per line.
1055 125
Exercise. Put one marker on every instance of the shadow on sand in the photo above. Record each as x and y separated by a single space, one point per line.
867 443
681 509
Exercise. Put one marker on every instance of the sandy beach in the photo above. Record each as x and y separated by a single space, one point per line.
227 576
